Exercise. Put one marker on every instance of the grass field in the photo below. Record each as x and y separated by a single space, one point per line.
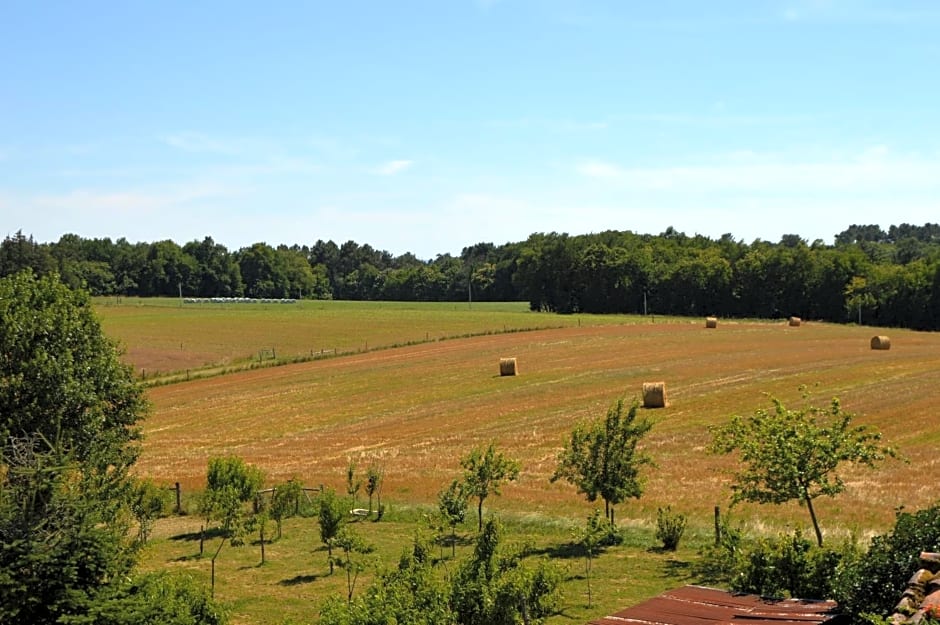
417 409
163 335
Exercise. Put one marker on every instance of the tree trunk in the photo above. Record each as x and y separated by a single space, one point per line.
812 515
480 515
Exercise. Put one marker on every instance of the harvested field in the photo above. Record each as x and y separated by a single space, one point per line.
418 409
163 336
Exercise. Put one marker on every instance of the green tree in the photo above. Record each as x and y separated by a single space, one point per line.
351 545
148 503
374 477
601 458
789 455
495 587
19 252
284 502
410 593
353 483
62 378
230 484
68 415
63 537
331 517
158 599
484 472
452 503
591 539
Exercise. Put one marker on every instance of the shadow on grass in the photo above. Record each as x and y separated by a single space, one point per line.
450 541
188 558
564 551
563 614
678 570
299 579
212 532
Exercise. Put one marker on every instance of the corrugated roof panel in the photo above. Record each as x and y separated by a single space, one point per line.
698 605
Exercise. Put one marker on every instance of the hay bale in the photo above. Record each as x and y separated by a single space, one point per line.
880 342
795 322
507 366
654 395
711 322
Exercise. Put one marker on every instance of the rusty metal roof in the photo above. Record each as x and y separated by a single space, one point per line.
698 605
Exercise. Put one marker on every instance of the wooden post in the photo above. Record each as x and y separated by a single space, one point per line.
202 538
717 525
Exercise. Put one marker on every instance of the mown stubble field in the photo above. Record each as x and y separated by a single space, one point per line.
417 409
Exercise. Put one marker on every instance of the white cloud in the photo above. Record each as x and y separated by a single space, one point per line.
393 167
875 169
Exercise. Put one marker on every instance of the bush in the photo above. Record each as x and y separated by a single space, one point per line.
669 527
786 565
719 561
158 598
873 584
790 565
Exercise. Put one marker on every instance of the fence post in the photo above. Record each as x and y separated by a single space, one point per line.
717 526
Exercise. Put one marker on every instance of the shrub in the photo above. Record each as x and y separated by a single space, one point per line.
669 527
718 562
790 565
786 565
873 584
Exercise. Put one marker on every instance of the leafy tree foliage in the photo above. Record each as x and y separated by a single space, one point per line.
452 504
230 484
285 501
611 271
352 546
591 539
62 539
61 376
331 517
353 482
68 414
495 587
484 472
409 593
794 455
873 583
148 503
601 458
157 599
374 477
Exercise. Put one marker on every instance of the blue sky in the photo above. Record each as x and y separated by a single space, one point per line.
429 126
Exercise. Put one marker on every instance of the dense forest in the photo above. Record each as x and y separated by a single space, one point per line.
885 278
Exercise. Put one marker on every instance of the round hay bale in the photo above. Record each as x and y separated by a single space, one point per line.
880 342
507 366
654 395
711 322
795 322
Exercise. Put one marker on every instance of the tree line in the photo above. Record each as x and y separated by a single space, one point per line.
878 277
